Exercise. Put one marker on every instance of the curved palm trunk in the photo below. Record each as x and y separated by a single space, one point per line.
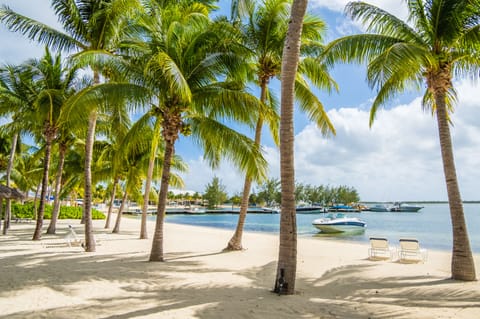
110 205
148 182
287 256
37 235
58 185
463 266
8 209
87 200
116 229
235 242
156 253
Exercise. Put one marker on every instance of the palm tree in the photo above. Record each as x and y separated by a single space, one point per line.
54 84
264 36
16 99
90 26
287 256
183 55
439 45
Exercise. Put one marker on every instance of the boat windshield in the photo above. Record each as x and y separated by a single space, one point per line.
340 215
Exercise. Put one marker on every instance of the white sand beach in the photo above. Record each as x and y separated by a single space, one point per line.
335 279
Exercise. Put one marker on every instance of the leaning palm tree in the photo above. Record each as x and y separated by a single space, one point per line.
55 84
16 101
90 26
439 44
188 64
264 35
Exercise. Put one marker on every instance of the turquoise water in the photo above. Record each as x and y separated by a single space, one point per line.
432 225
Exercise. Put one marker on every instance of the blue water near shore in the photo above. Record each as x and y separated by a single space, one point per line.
431 226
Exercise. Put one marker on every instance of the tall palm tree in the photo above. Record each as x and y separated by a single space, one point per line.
187 63
287 255
439 44
264 35
90 26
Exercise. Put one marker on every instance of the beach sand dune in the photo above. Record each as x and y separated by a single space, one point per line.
48 279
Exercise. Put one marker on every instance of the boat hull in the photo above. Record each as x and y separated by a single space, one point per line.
339 225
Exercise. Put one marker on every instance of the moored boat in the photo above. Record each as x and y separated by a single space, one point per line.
404 207
339 223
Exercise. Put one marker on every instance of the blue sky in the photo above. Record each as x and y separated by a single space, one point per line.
397 159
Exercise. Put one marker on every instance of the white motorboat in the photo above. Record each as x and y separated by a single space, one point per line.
339 223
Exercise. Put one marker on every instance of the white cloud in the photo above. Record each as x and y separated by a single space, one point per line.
397 159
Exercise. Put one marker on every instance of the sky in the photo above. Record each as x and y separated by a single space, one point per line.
397 159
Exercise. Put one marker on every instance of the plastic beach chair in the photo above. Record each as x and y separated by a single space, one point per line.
410 251
380 249
71 237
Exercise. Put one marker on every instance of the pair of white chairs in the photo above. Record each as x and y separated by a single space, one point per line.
409 250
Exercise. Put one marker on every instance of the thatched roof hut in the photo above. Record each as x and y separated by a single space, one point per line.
10 193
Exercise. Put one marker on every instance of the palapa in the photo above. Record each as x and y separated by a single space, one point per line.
10 193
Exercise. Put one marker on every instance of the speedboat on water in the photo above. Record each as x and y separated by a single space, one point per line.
339 223
404 207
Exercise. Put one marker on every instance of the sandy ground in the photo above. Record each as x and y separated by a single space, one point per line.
47 279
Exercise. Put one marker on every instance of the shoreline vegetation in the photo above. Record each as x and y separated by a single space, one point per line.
200 280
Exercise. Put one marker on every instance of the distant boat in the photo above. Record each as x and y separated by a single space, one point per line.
339 223
404 207
380 208
343 208
310 209
195 210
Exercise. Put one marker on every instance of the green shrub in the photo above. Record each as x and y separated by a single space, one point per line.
66 212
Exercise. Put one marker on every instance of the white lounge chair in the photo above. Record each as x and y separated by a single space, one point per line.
410 251
380 249
71 237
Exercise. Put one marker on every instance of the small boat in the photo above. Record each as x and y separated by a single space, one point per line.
310 209
339 223
343 208
404 207
380 208
195 210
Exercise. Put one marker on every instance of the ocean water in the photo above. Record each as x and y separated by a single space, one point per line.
431 226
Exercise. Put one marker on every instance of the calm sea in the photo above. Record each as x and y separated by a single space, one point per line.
432 225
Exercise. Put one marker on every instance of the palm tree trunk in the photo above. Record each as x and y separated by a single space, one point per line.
116 229
87 199
58 184
8 209
156 253
37 235
148 182
287 257
235 242
463 266
112 199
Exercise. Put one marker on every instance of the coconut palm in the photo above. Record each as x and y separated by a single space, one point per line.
90 26
16 100
264 35
439 43
287 255
54 84
187 63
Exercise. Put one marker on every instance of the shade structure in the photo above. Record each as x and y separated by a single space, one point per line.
10 193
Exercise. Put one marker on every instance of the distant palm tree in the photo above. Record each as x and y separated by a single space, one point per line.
264 35
16 101
287 256
54 83
440 43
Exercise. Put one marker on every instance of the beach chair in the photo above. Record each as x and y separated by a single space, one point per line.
410 251
71 237
380 249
